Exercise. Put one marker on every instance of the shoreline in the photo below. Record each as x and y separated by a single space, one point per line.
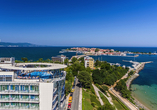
129 82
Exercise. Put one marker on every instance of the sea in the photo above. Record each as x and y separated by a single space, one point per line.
144 87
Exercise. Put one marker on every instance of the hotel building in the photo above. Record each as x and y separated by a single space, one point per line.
32 86
89 62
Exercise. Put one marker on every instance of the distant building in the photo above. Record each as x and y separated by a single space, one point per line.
89 62
7 60
59 58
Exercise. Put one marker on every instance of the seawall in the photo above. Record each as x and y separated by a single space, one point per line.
135 75
129 81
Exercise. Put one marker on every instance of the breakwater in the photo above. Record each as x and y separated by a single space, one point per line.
129 81
135 75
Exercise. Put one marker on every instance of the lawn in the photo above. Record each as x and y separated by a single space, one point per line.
86 103
94 99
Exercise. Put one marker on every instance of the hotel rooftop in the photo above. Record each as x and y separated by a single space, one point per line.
31 86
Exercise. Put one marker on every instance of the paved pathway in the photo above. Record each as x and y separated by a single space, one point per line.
108 98
124 100
97 93
118 95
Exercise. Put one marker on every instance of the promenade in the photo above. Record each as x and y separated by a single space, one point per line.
128 83
131 106
118 95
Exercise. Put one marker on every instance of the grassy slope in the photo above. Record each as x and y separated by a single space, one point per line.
86 103
104 99
119 105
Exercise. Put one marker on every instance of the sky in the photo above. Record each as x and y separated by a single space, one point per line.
128 23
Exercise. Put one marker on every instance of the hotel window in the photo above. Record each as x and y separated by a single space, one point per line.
1 78
12 87
8 78
4 87
35 88
24 88
16 87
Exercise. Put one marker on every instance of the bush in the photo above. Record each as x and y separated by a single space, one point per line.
87 90
105 88
106 107
97 85
93 104
92 90
93 99
131 72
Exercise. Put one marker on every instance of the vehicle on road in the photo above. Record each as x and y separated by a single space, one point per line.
69 105
71 94
70 99
72 90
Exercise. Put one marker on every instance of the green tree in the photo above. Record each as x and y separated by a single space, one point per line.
88 69
40 60
97 63
66 61
81 59
68 86
24 59
47 60
74 59
69 75
76 67
97 77
122 88
97 49
85 78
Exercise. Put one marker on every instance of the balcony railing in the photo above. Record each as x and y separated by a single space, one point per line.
19 99
4 99
24 91
19 107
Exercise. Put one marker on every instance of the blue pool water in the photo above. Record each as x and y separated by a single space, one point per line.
39 74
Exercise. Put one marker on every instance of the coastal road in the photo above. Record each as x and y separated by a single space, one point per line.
75 101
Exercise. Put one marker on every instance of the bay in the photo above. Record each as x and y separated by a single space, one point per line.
144 87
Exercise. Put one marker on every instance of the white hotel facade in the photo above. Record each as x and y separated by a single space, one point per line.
32 86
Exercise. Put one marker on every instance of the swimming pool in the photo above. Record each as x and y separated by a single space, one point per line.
39 74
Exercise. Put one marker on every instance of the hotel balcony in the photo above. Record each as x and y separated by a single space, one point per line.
54 106
19 107
54 98
8 91
16 99
54 90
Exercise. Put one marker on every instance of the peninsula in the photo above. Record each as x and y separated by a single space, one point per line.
108 52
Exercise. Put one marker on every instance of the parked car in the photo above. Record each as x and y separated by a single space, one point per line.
70 99
69 105
72 90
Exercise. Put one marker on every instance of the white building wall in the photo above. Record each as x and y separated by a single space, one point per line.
8 73
46 93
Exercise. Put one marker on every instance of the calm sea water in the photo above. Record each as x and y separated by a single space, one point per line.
33 53
144 87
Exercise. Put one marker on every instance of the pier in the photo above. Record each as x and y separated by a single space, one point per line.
139 67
